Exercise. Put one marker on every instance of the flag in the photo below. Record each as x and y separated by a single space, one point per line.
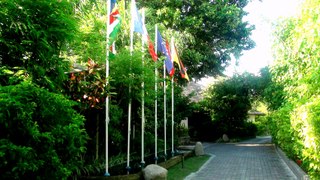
176 59
139 27
147 39
114 25
151 50
161 47
175 56
112 4
183 71
136 18
169 52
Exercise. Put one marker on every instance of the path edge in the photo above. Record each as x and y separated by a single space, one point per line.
193 174
297 171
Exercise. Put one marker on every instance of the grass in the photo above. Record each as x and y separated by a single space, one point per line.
191 165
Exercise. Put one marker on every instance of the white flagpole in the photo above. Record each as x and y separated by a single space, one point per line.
165 109
172 116
156 101
172 104
142 103
130 100
107 98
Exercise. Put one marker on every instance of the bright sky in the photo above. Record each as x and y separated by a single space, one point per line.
262 15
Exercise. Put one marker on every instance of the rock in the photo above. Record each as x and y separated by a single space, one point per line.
225 138
198 149
154 172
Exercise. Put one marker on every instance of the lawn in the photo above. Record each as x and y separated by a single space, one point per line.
191 165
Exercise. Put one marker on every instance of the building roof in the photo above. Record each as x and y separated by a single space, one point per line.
257 113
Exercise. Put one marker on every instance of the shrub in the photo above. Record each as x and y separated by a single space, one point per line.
249 130
41 136
262 125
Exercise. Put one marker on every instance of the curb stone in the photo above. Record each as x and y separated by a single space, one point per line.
296 170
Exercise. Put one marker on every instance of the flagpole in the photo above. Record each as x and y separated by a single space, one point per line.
172 116
107 98
156 101
130 100
142 103
172 103
165 109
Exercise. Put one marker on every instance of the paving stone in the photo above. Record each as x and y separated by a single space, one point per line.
254 159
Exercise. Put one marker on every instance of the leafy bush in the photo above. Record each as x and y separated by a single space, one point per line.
262 125
32 37
281 130
41 136
249 130
305 123
230 101
296 123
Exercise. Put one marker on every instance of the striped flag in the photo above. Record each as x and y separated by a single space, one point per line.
147 39
114 24
176 59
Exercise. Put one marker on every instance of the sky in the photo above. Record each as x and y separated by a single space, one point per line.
262 15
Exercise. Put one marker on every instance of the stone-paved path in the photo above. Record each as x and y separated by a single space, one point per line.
254 159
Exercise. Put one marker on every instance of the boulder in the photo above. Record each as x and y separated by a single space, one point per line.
154 172
225 138
198 149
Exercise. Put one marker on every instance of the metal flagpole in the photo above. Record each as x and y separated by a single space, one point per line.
107 98
156 101
130 100
165 109
172 103
142 103
172 116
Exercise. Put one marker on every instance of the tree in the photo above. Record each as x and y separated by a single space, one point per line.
41 135
32 36
272 93
229 102
297 69
213 31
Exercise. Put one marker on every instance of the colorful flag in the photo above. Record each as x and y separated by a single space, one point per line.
151 49
176 59
161 47
139 27
136 18
169 52
114 25
147 39
175 56
183 71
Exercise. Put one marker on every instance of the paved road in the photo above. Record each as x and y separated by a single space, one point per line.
254 159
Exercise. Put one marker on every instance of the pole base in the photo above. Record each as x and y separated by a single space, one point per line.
156 160
128 168
142 163
172 153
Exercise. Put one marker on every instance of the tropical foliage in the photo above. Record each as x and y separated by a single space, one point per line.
32 36
42 44
229 101
41 135
210 31
296 121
